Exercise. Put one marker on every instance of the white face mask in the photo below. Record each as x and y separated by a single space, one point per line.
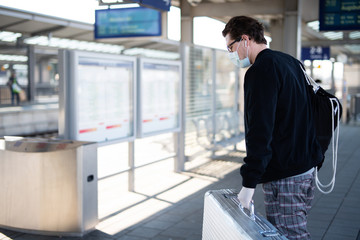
234 58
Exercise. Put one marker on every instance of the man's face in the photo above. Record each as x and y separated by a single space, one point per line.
231 44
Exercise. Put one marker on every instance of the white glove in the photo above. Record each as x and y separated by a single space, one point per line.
245 196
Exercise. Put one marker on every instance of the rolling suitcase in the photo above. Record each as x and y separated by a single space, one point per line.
224 218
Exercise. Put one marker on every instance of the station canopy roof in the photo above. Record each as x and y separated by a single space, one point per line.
20 28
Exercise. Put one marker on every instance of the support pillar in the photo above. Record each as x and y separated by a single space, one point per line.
186 38
186 22
286 32
31 73
292 28
277 33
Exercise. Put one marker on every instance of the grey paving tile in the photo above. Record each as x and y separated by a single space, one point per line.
318 224
144 232
157 224
131 238
196 216
163 237
191 225
91 237
99 235
123 233
322 212
177 232
9 234
316 236
170 217
347 229
35 237
347 215
184 211
194 237
338 236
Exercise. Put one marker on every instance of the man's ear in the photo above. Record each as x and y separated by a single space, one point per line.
245 38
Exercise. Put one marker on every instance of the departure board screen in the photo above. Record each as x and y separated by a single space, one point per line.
127 22
339 15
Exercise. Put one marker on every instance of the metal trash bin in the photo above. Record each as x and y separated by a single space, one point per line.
48 187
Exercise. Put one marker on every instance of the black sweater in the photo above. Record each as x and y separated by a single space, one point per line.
280 136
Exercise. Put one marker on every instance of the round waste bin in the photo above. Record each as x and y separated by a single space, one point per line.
48 186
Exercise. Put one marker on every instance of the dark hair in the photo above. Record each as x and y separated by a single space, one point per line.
237 26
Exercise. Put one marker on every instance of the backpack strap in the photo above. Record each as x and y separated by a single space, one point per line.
309 79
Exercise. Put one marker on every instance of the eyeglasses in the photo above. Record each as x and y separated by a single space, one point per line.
229 47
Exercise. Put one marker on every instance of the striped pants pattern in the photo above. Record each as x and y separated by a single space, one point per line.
287 202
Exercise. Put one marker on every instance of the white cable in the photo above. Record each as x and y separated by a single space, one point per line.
334 150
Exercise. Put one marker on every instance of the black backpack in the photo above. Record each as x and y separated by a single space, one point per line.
327 110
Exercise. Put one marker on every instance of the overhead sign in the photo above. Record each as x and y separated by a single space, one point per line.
315 53
127 22
163 5
339 15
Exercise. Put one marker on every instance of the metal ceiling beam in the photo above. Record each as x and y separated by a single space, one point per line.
263 7
81 34
47 31
4 27
329 42
8 48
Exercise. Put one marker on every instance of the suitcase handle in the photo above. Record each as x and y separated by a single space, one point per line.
250 213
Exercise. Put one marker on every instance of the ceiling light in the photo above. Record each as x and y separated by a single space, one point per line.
354 35
333 35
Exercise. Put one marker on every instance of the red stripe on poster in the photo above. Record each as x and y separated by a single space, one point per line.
87 130
113 126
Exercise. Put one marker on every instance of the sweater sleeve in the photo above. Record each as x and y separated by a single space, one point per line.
261 94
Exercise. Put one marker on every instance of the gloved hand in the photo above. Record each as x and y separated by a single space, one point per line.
245 196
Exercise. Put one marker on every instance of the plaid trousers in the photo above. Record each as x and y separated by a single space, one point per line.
287 202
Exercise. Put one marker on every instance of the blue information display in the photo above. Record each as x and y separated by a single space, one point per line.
339 15
158 4
315 53
127 22
163 5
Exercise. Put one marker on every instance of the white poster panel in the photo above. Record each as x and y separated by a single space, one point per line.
103 97
159 97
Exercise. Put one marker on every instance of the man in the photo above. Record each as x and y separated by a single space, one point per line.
14 90
281 147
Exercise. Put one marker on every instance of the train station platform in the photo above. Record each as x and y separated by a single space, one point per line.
29 119
167 205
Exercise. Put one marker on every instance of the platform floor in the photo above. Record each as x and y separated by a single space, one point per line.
168 205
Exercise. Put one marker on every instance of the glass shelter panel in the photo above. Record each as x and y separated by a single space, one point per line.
98 99
159 97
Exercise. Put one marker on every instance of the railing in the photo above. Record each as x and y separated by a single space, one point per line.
227 130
